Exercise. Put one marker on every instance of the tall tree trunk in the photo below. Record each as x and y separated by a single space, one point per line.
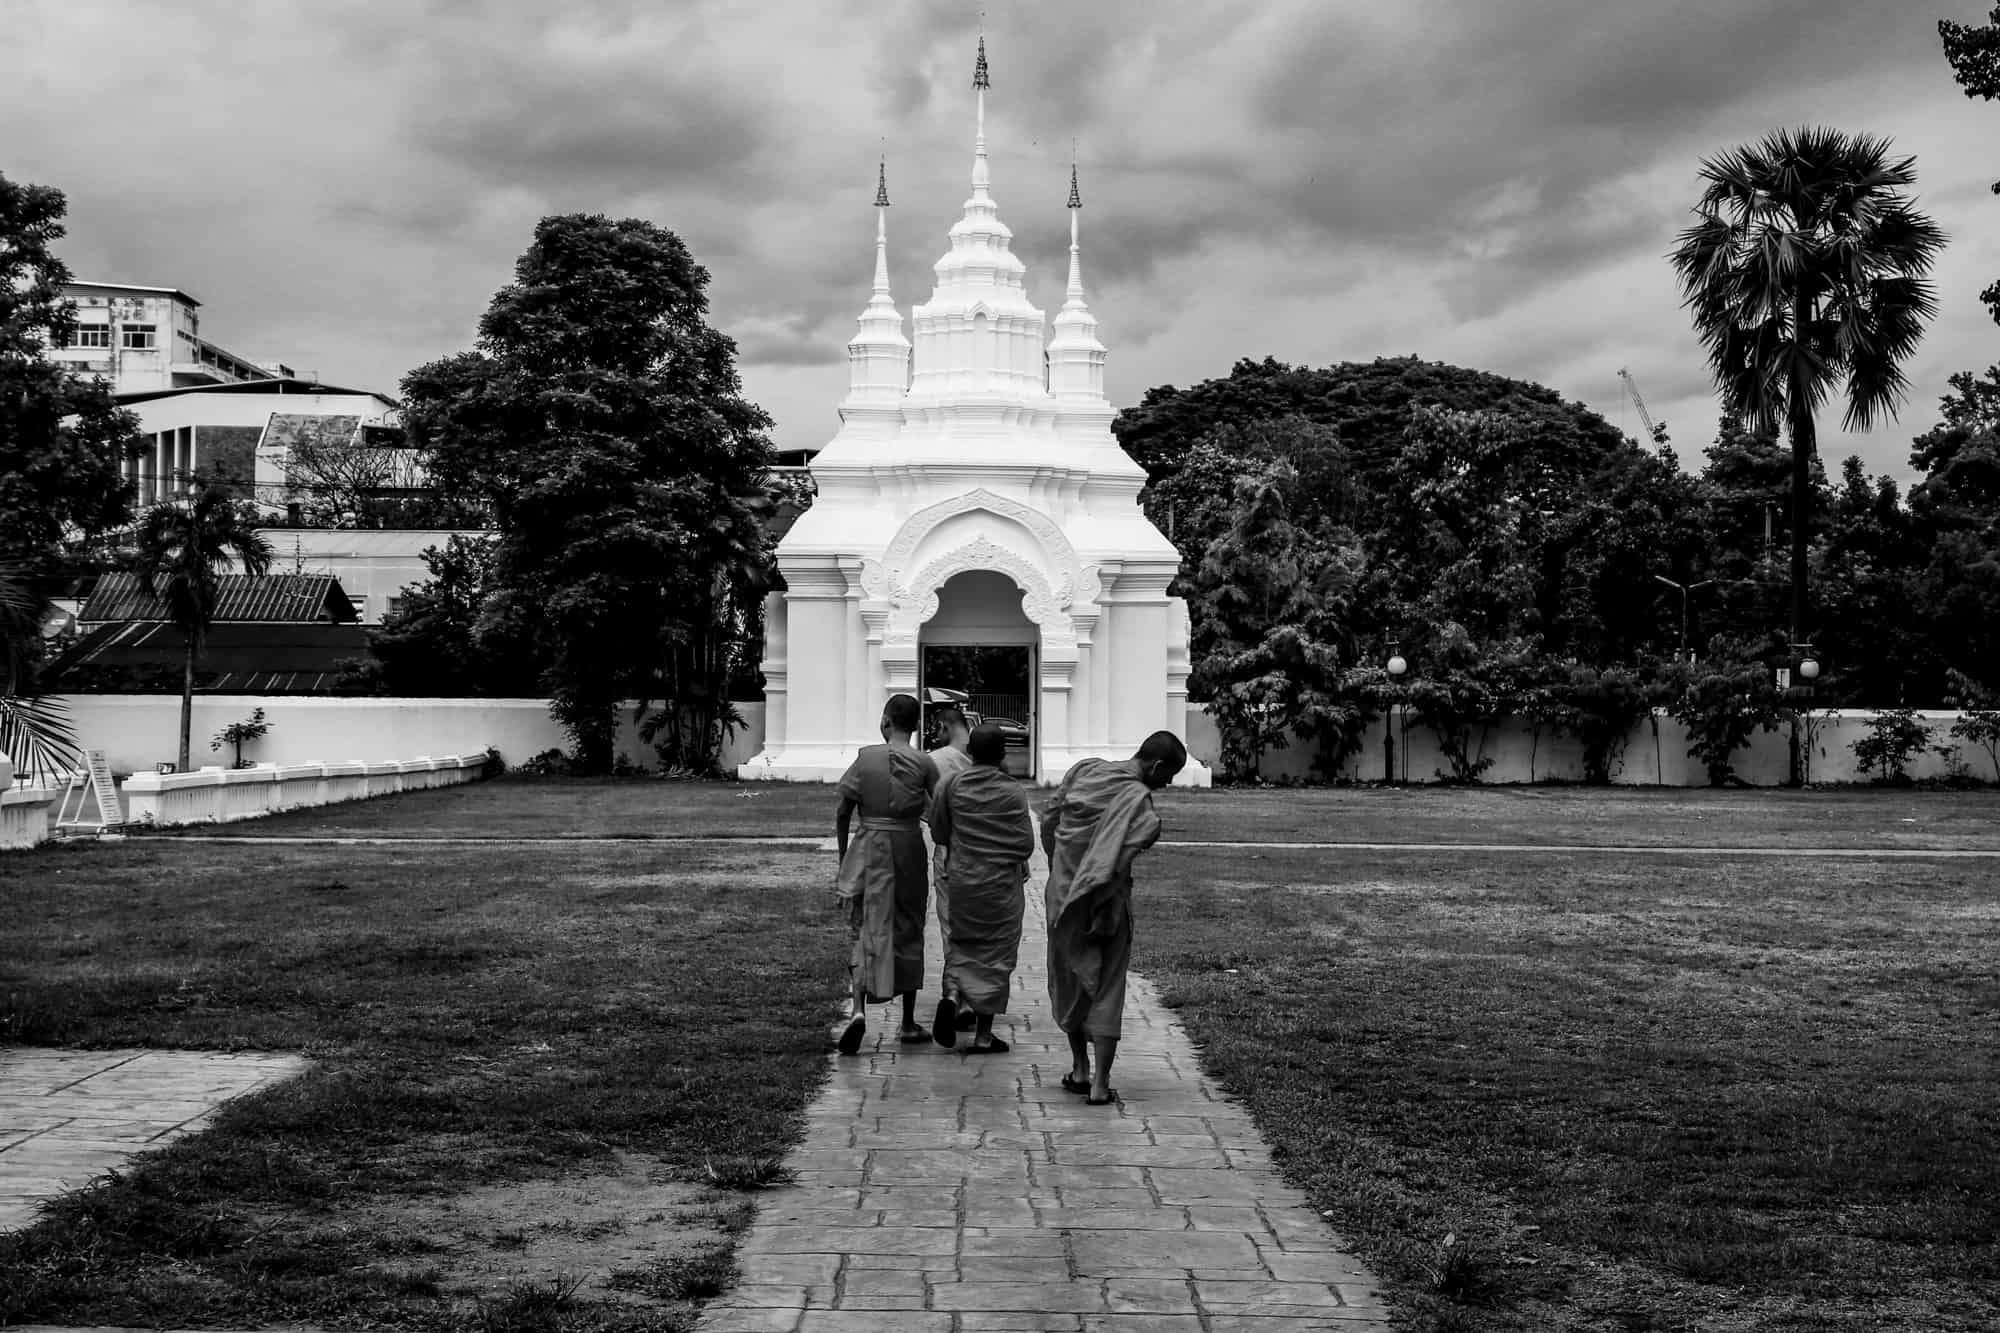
187 701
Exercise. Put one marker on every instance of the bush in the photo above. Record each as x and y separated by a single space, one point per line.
1725 699
1895 737
252 728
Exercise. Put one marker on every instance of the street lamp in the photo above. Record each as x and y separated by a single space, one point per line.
1802 692
1684 589
1395 666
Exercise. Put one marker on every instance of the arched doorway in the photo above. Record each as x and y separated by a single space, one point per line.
981 651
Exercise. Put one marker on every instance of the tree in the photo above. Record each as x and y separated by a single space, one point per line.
62 444
1268 656
36 732
183 551
367 478
601 419
1804 270
1974 53
441 641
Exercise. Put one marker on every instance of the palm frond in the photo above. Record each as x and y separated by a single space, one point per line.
38 734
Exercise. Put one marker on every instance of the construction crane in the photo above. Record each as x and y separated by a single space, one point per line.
1653 428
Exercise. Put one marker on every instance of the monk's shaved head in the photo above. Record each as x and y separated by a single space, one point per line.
902 713
1160 757
988 745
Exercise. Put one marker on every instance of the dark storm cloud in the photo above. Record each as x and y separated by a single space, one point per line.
1497 184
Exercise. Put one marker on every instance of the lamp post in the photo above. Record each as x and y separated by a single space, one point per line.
1807 669
1395 666
1684 589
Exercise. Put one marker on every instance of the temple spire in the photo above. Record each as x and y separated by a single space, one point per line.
1075 292
981 177
881 294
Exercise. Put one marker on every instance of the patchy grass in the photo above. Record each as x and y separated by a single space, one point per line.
523 806
1558 1093
519 805
510 1029
1596 816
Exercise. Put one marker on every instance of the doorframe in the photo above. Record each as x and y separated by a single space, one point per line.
1033 648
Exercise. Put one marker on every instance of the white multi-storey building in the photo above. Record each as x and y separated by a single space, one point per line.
140 339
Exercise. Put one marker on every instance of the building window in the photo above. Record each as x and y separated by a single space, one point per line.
91 335
140 338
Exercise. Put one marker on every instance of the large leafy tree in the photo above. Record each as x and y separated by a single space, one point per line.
1805 270
1974 53
1366 404
1271 649
601 419
62 441
184 549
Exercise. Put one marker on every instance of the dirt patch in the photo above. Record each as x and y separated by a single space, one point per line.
615 1237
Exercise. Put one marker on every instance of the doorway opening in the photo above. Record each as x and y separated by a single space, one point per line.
979 653
991 683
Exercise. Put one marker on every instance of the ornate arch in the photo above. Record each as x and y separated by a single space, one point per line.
903 548
916 600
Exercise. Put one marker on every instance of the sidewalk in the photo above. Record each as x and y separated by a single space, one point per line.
953 1193
67 1117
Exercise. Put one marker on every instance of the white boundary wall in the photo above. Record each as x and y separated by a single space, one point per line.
223 795
24 811
1655 753
138 731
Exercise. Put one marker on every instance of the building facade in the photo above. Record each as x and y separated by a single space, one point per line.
142 339
976 521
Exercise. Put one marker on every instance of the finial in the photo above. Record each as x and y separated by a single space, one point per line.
882 184
1075 199
979 70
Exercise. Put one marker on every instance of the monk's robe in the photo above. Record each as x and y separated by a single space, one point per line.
1100 818
950 762
981 822
883 879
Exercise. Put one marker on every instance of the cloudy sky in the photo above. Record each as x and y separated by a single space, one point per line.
345 184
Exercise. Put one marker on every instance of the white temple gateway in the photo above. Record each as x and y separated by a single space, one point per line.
974 506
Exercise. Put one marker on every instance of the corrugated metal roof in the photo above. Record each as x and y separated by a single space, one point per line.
239 658
289 430
270 598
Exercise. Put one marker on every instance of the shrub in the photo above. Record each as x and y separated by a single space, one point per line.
252 728
1895 737
1725 699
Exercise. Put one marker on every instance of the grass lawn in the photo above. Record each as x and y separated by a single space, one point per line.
518 805
485 1024
1620 816
1641 1094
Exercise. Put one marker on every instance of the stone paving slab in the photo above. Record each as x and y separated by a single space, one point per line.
68 1117
945 1192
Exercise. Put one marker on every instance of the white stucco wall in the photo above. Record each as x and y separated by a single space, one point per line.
138 731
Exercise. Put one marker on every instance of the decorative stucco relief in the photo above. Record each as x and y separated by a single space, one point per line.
916 600
902 550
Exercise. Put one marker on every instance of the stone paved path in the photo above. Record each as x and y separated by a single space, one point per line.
954 1193
67 1117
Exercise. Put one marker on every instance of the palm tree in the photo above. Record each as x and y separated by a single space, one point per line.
184 549
36 731
1806 268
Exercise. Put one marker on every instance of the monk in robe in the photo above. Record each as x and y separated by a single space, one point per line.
1095 826
982 825
951 758
884 881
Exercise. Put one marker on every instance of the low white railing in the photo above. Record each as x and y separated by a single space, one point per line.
222 795
24 811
